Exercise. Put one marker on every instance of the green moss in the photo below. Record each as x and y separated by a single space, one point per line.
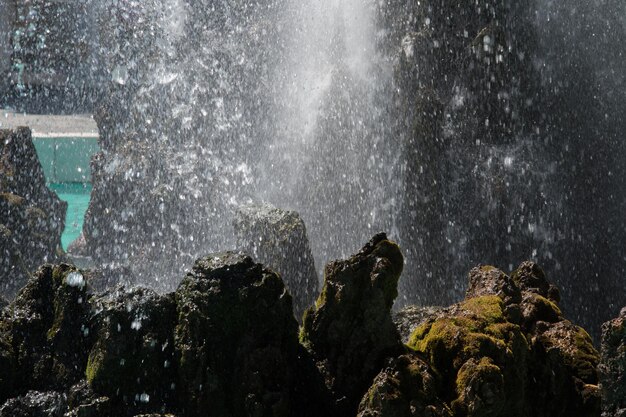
12 199
478 332
321 300
472 369
585 358
94 366
307 318
546 305
488 308
419 333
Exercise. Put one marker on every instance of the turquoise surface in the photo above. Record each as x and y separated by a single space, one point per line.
77 196
66 159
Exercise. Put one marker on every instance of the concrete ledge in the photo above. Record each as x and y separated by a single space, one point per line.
64 144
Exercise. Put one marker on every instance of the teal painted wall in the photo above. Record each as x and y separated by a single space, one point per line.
66 159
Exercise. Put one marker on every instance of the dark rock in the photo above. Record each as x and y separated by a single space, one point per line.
46 329
32 216
83 402
35 404
278 239
613 367
349 331
236 339
487 280
406 387
530 277
411 317
132 360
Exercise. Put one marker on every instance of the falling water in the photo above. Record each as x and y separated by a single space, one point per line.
471 131
325 156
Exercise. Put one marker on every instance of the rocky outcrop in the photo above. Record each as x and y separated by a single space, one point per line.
132 359
31 216
506 350
349 331
44 332
278 239
226 343
236 340
613 367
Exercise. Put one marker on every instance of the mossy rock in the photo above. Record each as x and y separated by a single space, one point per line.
406 387
476 329
350 331
480 389
45 328
613 366
236 339
497 363
13 200
132 359
536 308
488 280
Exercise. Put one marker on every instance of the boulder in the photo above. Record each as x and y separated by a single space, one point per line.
45 331
83 402
32 217
237 342
278 239
132 359
507 350
487 280
613 367
349 331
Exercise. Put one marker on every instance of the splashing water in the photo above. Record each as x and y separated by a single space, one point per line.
473 132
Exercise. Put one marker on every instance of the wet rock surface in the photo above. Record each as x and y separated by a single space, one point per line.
278 239
35 404
31 216
236 339
613 367
503 351
483 132
226 343
411 317
349 330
